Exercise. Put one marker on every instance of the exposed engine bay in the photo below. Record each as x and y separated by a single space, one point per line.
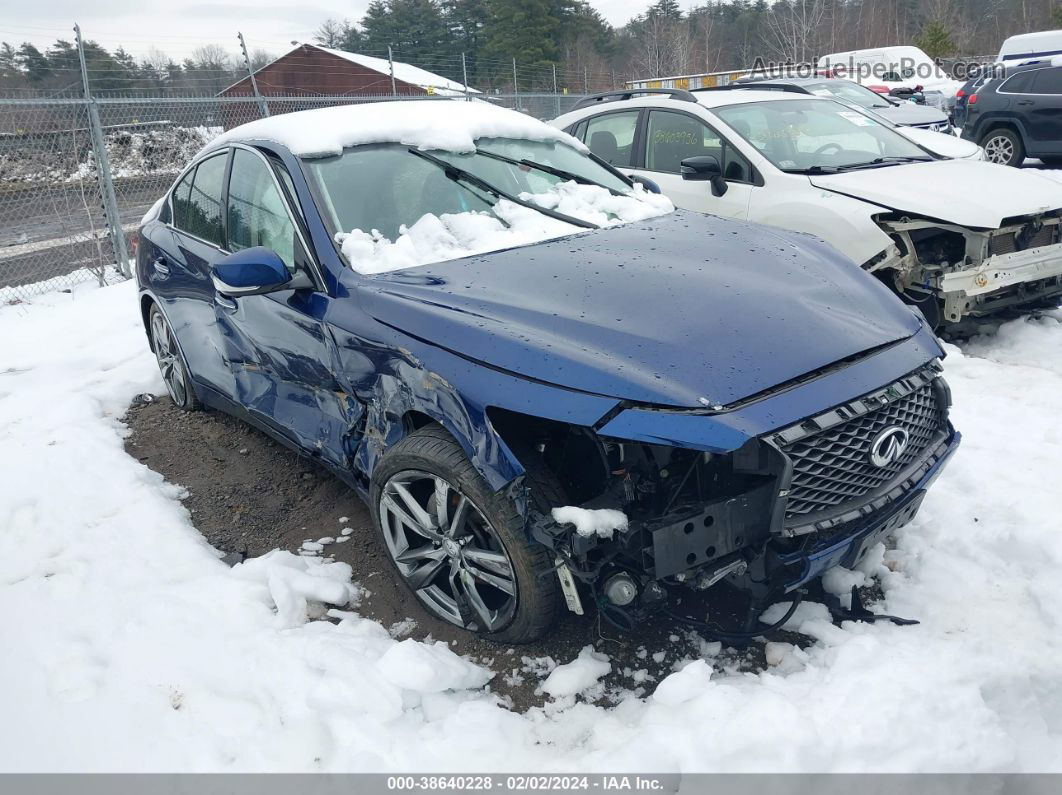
955 274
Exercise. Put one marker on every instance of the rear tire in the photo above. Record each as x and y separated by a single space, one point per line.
171 362
462 560
1003 146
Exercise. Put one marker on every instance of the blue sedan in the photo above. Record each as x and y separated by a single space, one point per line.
553 390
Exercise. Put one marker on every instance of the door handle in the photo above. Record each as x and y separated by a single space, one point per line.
225 302
160 266
1025 102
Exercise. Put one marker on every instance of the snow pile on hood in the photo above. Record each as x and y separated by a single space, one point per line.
451 125
128 646
435 238
600 522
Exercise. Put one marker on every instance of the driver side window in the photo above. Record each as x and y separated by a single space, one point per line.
257 215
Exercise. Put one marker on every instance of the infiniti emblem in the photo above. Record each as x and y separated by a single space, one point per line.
888 446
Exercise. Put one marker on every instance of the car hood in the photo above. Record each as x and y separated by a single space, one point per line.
963 192
666 311
911 113
942 143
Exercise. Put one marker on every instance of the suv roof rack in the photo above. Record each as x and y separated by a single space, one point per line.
616 96
767 84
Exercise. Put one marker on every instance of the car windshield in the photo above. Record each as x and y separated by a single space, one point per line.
385 187
849 92
815 136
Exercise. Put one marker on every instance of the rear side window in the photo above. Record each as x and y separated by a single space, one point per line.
197 210
1048 81
611 137
257 214
1018 84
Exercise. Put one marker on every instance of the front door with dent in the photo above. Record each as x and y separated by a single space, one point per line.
281 352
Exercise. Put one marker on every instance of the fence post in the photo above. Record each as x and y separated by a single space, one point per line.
586 81
263 107
103 169
464 72
391 61
516 87
556 94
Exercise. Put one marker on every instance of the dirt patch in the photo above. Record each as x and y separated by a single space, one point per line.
247 493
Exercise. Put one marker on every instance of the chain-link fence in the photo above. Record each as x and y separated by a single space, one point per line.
55 229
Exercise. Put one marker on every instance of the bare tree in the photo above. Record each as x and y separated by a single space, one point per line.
791 29
331 33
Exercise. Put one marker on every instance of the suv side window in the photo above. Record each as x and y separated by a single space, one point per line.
611 137
1017 84
197 201
1048 81
257 215
672 137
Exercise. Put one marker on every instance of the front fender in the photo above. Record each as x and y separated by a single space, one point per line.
401 377
845 223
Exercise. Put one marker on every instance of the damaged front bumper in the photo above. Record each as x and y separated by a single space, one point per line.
1035 272
976 272
764 518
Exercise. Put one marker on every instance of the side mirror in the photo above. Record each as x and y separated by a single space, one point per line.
704 168
645 182
254 271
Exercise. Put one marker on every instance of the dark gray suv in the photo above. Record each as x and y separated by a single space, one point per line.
1018 115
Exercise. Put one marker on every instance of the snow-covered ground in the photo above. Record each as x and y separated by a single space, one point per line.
128 646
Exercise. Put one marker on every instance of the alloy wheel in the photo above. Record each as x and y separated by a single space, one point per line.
999 149
168 356
447 551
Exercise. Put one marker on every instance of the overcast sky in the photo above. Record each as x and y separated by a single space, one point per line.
178 26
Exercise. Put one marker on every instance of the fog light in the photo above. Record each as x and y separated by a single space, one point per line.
620 589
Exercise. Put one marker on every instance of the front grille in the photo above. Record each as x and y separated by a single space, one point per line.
833 467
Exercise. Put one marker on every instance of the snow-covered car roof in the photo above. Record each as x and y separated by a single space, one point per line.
451 125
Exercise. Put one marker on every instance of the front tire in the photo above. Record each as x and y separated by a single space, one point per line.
459 547
1003 146
171 362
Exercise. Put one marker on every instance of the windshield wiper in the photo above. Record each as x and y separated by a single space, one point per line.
877 162
458 174
557 172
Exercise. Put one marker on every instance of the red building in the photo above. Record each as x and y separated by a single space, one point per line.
310 70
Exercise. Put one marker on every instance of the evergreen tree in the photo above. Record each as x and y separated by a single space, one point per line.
526 30
935 40
33 64
9 71
415 29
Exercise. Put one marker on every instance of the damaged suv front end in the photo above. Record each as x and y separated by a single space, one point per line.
964 241
971 272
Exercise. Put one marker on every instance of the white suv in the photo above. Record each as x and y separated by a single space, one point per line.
960 239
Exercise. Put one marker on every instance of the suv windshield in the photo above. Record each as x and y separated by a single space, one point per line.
384 187
816 136
849 92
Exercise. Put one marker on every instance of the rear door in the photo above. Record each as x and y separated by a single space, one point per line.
1044 115
282 355
178 272
670 137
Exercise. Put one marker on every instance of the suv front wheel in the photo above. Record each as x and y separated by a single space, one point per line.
1002 145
